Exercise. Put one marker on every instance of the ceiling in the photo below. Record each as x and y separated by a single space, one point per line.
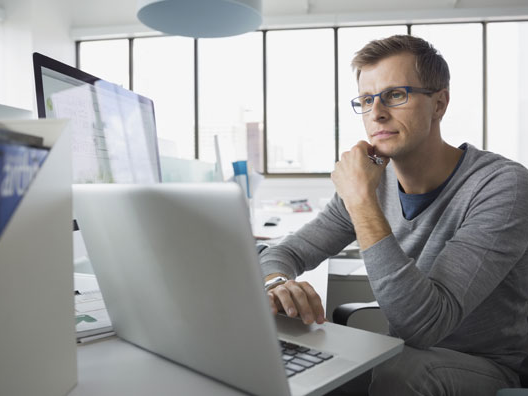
94 13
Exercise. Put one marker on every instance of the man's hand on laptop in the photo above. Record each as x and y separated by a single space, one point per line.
296 299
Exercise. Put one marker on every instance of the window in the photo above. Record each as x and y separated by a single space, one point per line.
351 40
106 59
463 121
297 124
164 72
507 81
300 101
231 97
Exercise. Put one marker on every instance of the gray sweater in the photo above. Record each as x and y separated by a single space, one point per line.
455 276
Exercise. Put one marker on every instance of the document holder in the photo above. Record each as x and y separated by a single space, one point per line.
37 330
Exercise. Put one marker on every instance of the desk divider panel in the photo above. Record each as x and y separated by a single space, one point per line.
37 329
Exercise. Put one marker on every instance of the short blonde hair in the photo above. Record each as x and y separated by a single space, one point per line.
431 67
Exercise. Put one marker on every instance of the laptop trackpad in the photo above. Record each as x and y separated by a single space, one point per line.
293 327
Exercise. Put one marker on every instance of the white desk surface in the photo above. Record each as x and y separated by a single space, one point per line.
113 367
289 222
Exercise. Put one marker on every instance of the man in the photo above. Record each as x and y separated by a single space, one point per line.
443 232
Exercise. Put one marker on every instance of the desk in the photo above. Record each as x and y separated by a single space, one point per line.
289 222
113 367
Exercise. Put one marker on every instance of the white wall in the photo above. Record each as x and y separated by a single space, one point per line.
29 26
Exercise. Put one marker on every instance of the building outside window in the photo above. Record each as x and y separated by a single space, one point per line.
463 121
164 72
507 102
230 94
300 101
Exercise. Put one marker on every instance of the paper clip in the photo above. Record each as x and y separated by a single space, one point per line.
375 159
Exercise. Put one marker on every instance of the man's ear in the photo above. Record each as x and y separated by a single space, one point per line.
442 101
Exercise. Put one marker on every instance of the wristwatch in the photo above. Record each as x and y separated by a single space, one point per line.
274 282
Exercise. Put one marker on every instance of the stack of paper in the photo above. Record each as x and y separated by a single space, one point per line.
91 316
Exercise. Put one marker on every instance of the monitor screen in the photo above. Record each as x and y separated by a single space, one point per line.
113 129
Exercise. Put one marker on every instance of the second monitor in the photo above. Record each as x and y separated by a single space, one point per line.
113 129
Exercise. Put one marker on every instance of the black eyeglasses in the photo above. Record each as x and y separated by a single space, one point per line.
390 97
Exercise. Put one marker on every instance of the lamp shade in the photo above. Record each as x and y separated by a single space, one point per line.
201 18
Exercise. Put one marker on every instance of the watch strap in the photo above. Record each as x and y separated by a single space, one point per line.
274 282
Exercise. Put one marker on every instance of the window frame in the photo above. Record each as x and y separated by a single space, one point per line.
336 81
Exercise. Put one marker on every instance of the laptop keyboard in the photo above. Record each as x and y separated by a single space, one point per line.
297 358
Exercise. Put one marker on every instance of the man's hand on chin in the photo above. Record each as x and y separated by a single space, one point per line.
356 178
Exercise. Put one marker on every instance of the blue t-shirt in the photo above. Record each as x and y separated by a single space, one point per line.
414 204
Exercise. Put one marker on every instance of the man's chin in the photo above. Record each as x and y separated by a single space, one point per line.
386 150
383 152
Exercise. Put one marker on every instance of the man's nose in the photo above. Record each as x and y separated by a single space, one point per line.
379 110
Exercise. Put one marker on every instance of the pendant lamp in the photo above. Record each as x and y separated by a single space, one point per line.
201 18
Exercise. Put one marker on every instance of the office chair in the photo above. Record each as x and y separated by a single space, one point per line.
343 312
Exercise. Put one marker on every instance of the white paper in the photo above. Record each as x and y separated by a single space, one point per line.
90 302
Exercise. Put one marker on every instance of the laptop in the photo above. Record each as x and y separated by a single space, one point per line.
179 273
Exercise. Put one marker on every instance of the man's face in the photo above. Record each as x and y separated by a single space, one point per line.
396 131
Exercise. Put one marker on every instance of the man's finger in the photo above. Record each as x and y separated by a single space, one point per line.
314 301
301 301
283 294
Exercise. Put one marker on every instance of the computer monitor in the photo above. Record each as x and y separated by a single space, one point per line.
113 129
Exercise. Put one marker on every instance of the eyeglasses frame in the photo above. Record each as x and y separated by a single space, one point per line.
408 90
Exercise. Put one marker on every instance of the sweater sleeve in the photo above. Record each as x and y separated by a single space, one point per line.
319 239
424 308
